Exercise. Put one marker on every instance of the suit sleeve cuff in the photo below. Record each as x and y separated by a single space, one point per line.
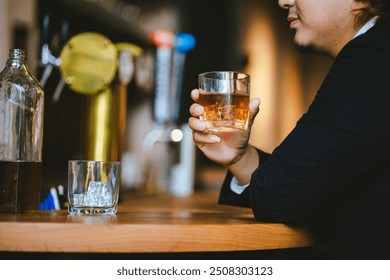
236 187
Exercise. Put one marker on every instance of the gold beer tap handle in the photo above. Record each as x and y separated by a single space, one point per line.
89 63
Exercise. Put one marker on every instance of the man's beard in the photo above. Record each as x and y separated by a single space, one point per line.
309 48
305 49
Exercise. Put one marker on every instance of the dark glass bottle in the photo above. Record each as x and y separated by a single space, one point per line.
21 136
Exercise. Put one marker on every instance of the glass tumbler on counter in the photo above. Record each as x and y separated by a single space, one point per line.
21 136
93 187
225 98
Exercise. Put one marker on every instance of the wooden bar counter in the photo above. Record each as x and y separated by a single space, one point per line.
157 224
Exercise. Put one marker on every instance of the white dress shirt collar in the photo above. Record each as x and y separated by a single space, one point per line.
367 26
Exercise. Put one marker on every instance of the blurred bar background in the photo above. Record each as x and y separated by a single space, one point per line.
244 35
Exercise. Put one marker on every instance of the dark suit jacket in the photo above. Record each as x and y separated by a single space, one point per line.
333 169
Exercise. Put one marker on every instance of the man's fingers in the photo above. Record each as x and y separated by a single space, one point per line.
200 134
195 94
196 124
254 108
196 110
202 138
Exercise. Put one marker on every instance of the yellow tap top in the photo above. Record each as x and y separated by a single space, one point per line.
88 63
134 50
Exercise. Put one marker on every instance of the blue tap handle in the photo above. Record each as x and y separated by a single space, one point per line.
184 42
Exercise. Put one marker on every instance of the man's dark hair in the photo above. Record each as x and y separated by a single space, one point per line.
379 8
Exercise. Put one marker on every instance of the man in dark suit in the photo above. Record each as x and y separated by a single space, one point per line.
333 170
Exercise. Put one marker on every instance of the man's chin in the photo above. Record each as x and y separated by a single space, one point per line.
304 48
310 49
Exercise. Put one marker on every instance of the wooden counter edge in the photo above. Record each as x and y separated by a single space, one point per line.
144 238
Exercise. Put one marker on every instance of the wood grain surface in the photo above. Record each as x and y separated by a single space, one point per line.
150 224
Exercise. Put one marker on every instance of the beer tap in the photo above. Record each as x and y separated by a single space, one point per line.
182 173
169 78
164 41
170 62
61 83
184 42
48 60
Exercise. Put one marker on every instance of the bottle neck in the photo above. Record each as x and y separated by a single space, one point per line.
17 56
